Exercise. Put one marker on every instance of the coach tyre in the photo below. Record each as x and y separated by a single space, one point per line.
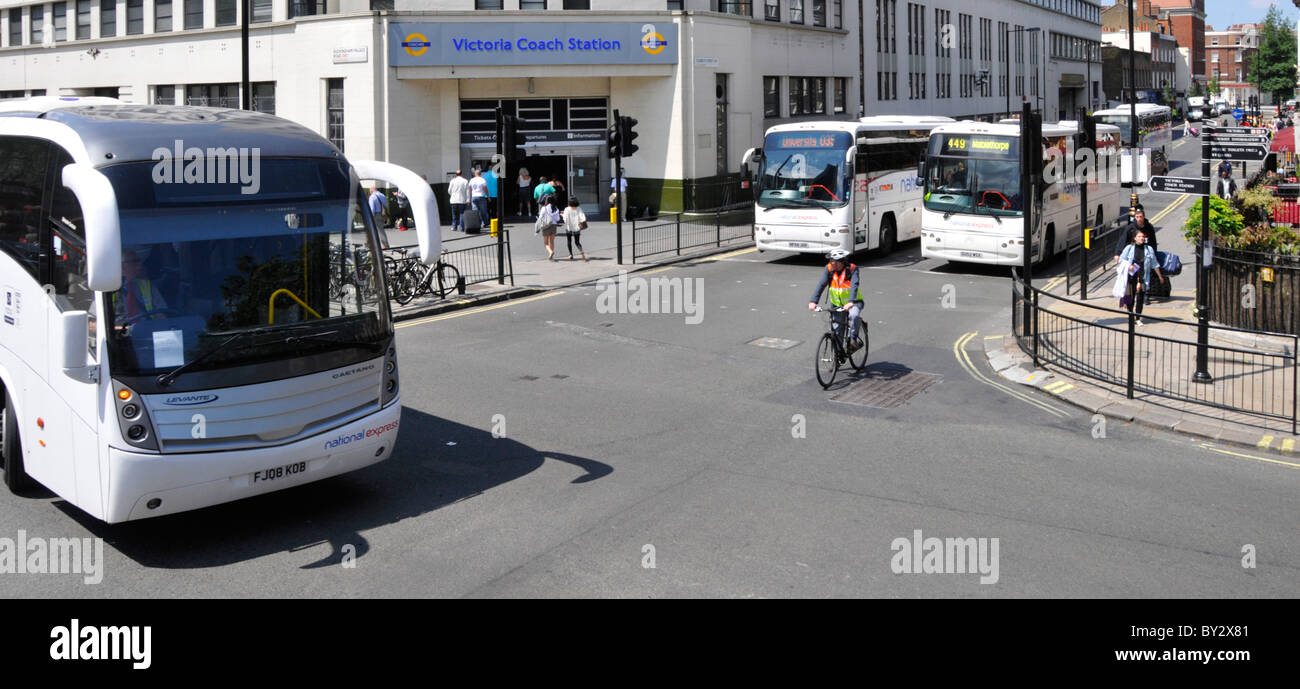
11 445
888 235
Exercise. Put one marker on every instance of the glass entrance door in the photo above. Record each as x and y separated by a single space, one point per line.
584 183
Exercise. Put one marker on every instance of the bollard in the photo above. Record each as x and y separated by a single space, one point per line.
495 226
613 215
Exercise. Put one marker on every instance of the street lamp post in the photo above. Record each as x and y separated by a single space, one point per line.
1132 117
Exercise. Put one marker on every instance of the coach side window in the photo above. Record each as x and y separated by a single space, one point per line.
22 174
67 242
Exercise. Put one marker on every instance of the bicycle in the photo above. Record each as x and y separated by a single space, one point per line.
409 283
833 348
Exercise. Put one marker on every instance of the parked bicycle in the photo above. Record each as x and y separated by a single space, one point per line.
352 269
834 347
412 278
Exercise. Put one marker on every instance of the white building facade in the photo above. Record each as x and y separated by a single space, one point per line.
418 82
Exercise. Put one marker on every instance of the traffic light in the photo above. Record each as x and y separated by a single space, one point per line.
626 135
1088 133
513 139
611 138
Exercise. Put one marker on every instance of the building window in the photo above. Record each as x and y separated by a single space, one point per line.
841 95
15 27
83 20
162 15
226 14
943 77
264 97
819 12
807 96
741 7
164 95
772 10
916 76
306 8
107 18
541 5
37 18
771 96
672 5
723 129
577 4
60 12
334 112
986 56
134 17
489 4
837 10
964 55
796 11
886 44
194 14
213 95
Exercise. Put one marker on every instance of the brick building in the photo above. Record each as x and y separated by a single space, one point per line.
1185 19
1227 57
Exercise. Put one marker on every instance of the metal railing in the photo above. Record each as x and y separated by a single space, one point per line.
674 232
478 263
1105 345
1101 252
1256 291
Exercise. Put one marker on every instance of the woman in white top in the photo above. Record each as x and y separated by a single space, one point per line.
548 220
575 221
525 193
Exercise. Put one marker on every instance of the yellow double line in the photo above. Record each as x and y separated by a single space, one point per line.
470 312
1257 458
1170 208
964 360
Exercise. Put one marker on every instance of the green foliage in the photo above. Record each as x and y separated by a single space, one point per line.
1265 238
1255 204
1225 221
1272 70
1195 89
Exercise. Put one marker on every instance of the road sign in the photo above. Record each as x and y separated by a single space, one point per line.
1238 113
1238 151
1216 138
1180 185
1236 130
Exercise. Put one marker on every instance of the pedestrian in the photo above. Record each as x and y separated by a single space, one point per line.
575 221
490 177
478 196
560 192
458 191
543 188
548 217
525 184
403 208
618 193
1225 187
1137 261
1139 222
378 207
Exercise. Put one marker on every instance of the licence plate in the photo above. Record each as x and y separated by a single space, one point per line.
279 472
972 254
801 245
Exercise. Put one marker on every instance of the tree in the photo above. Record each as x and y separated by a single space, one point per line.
1212 87
1272 70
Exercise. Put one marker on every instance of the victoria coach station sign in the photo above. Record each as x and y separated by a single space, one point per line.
532 43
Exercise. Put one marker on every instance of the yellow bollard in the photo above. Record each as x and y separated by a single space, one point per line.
613 215
1087 237
495 226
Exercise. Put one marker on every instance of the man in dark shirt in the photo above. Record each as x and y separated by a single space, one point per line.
1139 222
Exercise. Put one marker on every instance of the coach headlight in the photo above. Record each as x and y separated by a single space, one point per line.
133 418
842 229
390 376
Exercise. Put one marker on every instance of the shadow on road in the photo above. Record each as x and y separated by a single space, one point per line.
424 474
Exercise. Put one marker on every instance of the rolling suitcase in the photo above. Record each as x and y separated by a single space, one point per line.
473 223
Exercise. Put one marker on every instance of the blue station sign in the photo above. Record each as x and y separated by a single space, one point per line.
531 43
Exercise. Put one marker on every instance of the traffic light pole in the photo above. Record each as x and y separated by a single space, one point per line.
1202 374
499 221
618 202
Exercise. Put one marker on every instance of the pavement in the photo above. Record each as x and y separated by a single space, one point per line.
1244 378
533 272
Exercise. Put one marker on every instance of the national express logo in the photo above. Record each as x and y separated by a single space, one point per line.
415 44
651 41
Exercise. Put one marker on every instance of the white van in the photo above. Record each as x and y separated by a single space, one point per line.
1194 105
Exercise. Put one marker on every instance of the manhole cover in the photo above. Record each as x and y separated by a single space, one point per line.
774 343
884 392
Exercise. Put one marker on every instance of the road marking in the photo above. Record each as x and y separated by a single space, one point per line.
1169 209
1264 442
994 337
1053 283
1288 445
470 312
1058 387
964 360
729 254
1293 465
657 270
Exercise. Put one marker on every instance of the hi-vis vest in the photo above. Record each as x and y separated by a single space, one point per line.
841 285
145 288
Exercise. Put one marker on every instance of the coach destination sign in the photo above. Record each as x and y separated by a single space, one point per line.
532 43
1237 151
1180 185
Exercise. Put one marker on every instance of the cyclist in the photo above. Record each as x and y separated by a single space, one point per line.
842 278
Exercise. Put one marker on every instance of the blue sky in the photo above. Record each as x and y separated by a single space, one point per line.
1223 13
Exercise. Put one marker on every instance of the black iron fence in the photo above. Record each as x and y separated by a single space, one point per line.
675 232
1100 251
1255 291
1105 345
476 263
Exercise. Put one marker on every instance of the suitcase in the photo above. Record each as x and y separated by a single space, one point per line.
1159 290
1170 263
473 223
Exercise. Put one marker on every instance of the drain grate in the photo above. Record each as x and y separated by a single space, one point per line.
886 391
773 343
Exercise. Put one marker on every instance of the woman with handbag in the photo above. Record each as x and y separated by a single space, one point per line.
575 221
1138 260
548 217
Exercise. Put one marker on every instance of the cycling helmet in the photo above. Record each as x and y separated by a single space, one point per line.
838 255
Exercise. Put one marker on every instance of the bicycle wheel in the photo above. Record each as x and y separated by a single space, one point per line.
859 358
448 277
405 285
828 360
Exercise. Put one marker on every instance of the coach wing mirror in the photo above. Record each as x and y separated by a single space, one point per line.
920 172
752 156
103 233
418 192
75 345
